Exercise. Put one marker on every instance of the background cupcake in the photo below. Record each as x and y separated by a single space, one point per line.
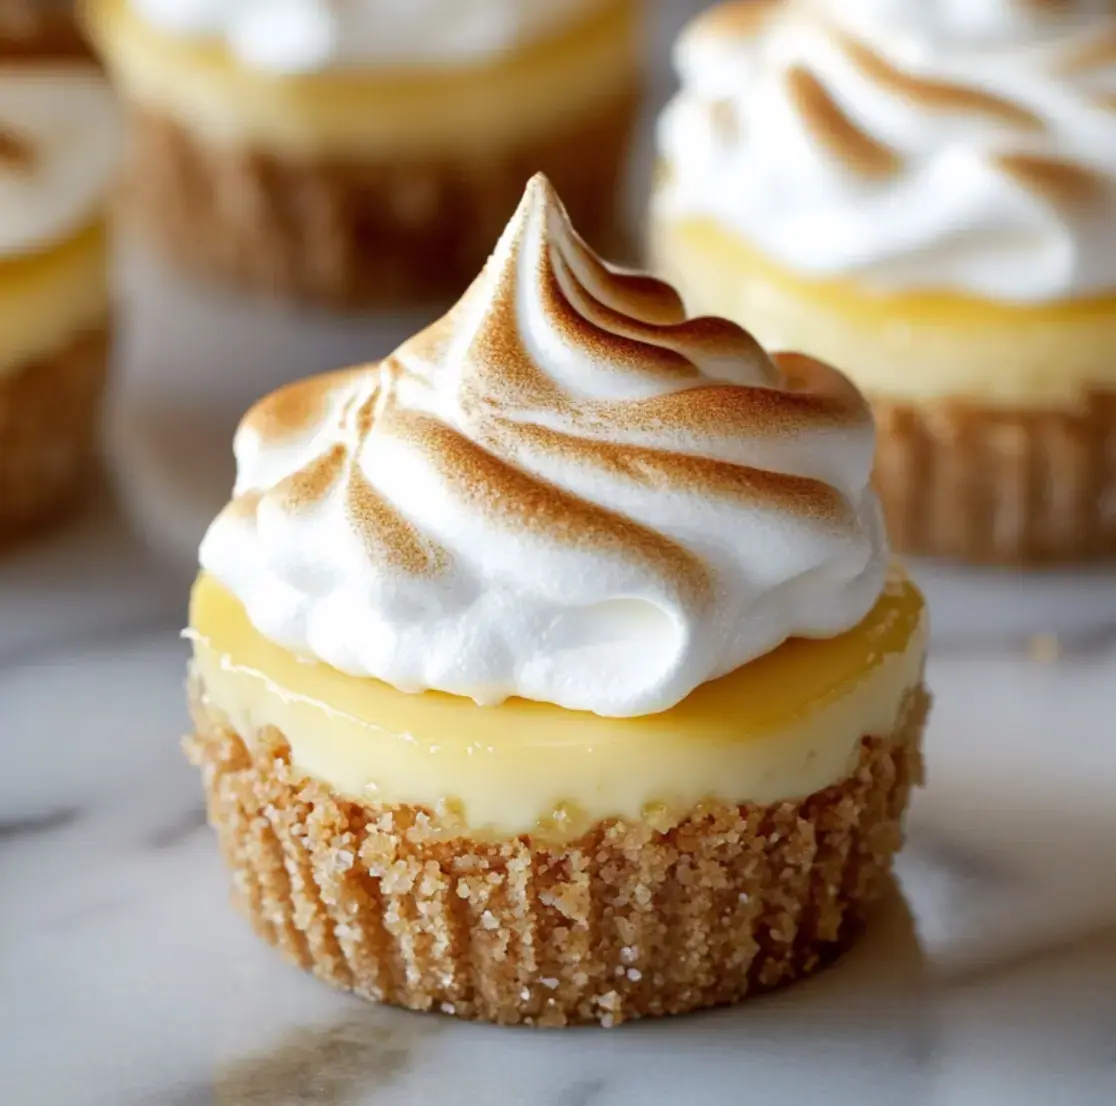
366 150
58 152
924 193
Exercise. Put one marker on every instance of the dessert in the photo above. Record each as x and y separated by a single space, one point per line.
40 29
552 669
58 148
925 194
367 151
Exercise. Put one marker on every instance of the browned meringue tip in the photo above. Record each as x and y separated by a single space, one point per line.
732 20
640 294
296 407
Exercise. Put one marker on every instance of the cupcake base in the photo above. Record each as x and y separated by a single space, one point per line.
624 922
352 234
49 413
992 485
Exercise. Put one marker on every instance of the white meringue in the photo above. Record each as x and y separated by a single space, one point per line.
564 490
913 145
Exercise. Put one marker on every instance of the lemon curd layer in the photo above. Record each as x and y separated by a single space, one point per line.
784 726
368 113
48 298
907 347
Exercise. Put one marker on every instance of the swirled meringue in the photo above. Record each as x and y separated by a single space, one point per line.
946 145
60 141
297 36
564 491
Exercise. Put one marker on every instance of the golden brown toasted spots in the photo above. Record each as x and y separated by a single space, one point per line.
1057 182
15 150
297 407
499 371
937 95
515 498
662 470
245 505
738 18
311 483
1097 54
391 540
639 295
723 412
833 129
807 376
599 332
618 340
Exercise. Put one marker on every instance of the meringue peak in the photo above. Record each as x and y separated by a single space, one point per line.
564 490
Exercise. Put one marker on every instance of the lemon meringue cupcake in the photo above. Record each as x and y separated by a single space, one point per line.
58 150
367 151
552 669
927 197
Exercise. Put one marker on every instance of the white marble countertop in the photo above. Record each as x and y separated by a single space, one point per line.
126 978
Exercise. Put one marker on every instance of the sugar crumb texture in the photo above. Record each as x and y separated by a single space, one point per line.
621 923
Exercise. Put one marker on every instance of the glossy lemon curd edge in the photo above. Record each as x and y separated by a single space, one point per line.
48 298
375 112
784 726
908 347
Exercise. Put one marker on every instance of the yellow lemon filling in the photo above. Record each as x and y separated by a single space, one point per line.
48 298
368 114
902 347
782 727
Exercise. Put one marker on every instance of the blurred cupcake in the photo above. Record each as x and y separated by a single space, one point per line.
924 193
40 29
551 669
362 151
58 150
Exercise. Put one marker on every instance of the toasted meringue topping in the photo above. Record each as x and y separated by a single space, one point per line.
59 142
943 145
565 490
293 36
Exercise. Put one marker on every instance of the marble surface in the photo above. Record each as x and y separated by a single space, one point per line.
126 978
988 976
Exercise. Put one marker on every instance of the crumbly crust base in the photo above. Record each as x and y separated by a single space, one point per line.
624 922
982 484
352 235
41 30
49 413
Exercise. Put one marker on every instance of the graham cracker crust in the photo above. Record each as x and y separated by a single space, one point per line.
351 234
623 922
990 485
41 30
49 413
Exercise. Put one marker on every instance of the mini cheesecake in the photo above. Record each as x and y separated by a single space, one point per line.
58 144
966 283
380 158
553 670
